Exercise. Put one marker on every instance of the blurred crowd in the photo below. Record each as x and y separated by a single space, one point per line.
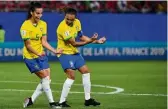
91 6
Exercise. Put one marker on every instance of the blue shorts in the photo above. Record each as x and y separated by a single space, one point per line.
37 64
74 61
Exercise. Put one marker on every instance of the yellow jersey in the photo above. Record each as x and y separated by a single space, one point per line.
34 34
65 32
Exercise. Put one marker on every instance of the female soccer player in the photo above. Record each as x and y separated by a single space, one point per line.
67 32
33 32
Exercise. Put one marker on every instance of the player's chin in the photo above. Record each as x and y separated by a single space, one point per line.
37 19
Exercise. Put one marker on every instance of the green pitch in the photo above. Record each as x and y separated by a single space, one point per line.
143 82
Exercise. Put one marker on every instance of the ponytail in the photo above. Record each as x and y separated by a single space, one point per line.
33 6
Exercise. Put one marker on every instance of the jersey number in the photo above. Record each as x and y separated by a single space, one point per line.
37 37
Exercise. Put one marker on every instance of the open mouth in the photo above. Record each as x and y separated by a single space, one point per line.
37 18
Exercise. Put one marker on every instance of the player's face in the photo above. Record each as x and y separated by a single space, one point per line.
37 14
69 18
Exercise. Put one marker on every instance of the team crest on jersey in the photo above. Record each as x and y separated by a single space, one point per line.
77 28
41 29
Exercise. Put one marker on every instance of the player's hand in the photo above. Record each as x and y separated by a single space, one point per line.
94 37
102 40
41 54
59 51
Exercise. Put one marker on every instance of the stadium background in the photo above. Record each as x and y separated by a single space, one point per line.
136 51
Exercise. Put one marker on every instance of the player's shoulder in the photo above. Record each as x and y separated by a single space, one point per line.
25 24
77 21
42 22
61 25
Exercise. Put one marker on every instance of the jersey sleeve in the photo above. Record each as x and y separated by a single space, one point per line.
44 30
25 33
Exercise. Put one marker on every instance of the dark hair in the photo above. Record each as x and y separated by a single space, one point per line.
70 11
1 27
33 6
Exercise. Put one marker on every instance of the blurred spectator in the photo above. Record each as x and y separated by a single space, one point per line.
120 6
10 6
2 6
2 34
95 6
111 6
145 7
22 5
161 7
133 6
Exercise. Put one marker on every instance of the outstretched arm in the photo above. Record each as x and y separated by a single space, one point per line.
49 47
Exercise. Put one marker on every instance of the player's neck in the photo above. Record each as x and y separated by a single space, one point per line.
70 25
33 21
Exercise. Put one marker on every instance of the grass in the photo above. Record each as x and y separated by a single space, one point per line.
135 77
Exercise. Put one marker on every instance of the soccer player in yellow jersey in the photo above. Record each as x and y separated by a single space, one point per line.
34 35
67 33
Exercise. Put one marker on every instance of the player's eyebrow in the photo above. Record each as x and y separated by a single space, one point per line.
38 12
70 19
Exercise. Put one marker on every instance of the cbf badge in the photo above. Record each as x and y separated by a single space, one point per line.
77 28
41 29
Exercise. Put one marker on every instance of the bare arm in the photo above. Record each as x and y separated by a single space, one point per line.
86 38
46 44
49 47
100 41
29 48
82 42
77 44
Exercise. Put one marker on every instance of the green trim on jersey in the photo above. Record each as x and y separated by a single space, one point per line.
68 38
35 25
44 34
25 38
75 35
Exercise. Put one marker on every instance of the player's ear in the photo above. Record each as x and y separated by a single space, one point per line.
31 13
65 15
